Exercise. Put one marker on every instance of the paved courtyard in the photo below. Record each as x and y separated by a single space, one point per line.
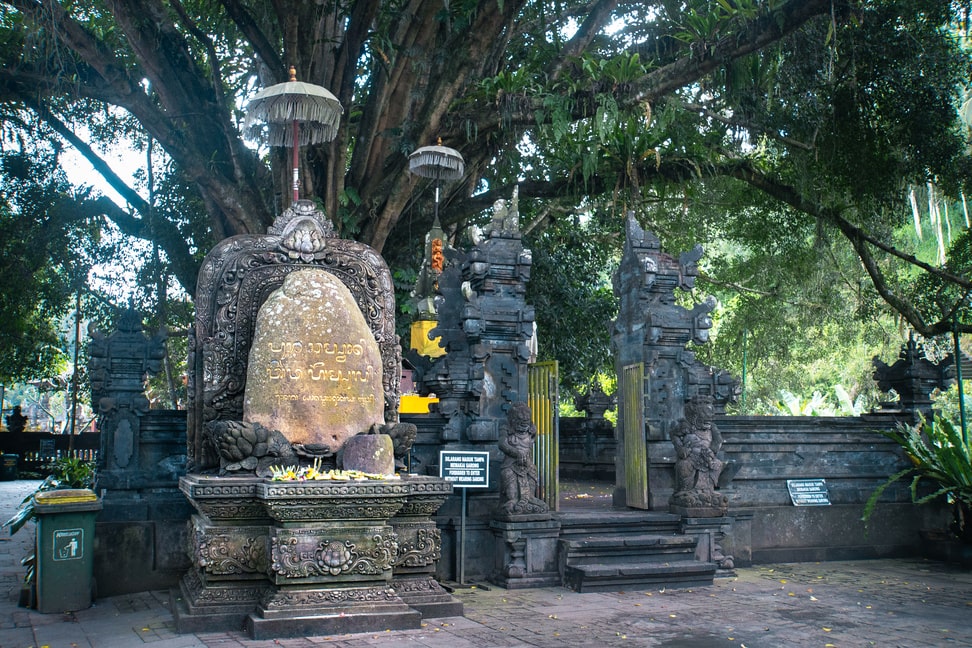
887 603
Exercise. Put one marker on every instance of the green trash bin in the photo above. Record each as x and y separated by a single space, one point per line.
65 548
8 467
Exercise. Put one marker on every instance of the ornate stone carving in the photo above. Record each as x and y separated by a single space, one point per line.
230 553
303 553
314 501
303 598
402 436
224 499
697 468
419 585
236 278
418 547
518 474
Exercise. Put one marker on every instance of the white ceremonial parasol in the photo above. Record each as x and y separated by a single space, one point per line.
293 114
439 163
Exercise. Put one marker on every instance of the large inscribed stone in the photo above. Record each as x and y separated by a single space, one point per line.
315 370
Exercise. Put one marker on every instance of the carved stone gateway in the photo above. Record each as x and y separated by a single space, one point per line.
294 355
654 329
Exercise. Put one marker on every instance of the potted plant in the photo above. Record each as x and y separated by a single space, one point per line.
942 460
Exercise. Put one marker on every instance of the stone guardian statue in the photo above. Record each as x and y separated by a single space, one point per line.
697 442
518 474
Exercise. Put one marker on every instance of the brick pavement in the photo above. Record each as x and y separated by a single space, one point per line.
886 603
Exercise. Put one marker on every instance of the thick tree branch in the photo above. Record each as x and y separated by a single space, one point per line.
690 67
860 241
96 161
264 49
152 226
736 122
593 23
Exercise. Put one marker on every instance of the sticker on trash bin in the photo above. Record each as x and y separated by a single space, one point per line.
68 544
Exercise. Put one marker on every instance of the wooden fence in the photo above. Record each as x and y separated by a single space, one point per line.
37 450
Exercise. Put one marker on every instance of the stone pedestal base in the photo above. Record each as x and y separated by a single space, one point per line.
299 612
709 532
199 606
528 557
425 594
291 559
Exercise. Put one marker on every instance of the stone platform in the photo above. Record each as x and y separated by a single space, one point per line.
289 559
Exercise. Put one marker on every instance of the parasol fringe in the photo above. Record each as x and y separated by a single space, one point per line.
272 112
282 134
287 109
446 165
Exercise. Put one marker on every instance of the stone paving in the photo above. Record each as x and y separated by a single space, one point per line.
887 603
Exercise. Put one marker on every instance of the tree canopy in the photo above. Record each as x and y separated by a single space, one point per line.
782 134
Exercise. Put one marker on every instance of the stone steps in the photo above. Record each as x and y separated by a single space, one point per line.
627 576
614 550
583 524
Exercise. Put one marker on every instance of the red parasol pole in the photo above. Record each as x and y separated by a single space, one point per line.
296 162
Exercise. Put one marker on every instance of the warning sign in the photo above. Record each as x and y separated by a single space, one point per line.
464 469
808 492
68 544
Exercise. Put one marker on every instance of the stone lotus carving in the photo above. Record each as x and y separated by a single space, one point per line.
293 557
248 447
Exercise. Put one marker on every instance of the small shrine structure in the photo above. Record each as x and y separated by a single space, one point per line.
299 528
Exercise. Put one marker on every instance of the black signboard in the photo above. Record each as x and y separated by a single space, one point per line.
808 492
464 469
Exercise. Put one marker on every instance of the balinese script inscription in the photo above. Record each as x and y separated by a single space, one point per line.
318 361
315 369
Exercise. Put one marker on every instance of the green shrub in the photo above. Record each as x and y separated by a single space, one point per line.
940 457
66 472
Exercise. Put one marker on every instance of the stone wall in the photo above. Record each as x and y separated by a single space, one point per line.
853 459
763 453
587 447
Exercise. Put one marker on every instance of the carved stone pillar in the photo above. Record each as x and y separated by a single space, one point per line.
229 551
420 548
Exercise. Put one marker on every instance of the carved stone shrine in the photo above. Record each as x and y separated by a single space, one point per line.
118 365
141 529
913 377
276 364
